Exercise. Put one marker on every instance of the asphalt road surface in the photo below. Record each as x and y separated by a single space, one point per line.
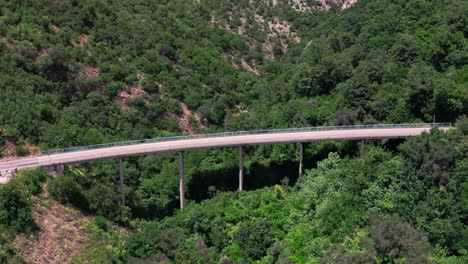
211 142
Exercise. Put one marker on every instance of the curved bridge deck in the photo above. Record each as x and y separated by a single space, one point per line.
231 139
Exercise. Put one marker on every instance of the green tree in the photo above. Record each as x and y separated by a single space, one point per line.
254 238
406 50
67 191
15 209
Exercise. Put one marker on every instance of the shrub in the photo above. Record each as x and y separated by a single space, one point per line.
15 209
103 199
118 71
395 240
101 222
31 180
114 88
462 125
152 241
123 215
255 238
21 151
67 191
131 79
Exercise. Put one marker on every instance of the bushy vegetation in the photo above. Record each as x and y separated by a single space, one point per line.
15 201
350 68
15 207
67 67
377 207
16 211
376 62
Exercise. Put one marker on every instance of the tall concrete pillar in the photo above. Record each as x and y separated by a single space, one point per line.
301 157
241 167
60 168
55 169
122 193
181 175
363 144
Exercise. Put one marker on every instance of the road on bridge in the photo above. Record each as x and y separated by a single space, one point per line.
210 142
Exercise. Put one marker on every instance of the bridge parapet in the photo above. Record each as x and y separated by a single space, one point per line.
243 133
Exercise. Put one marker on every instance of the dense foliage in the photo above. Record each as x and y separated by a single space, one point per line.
351 66
376 62
378 207
15 205
93 71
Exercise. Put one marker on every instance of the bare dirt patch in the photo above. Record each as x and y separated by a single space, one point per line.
88 71
130 93
9 152
43 52
9 147
55 28
239 111
308 5
186 127
32 149
83 39
268 50
184 121
234 64
212 21
251 68
265 32
348 3
8 44
61 236
284 28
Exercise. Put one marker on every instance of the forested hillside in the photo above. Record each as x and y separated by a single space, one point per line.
377 207
93 71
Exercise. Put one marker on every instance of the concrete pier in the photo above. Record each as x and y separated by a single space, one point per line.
301 157
56 169
182 181
241 167
122 191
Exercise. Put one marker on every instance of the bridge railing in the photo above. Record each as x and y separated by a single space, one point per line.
239 133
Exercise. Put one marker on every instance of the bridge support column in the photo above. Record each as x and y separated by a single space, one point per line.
301 157
59 168
241 167
56 169
122 193
181 175
363 144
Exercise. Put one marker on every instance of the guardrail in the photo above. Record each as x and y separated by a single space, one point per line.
239 133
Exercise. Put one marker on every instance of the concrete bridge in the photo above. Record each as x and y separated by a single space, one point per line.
56 159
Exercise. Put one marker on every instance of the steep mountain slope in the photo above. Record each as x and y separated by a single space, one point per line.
94 71
132 64
375 207
137 55
46 231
